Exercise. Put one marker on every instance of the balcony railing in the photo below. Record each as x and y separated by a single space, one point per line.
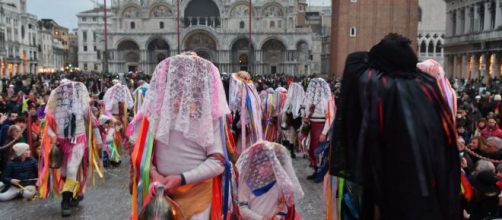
214 22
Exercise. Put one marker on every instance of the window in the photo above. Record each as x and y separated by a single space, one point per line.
419 14
95 48
85 66
94 37
438 48
96 66
272 24
353 31
94 19
133 25
161 25
279 24
242 24
84 36
85 48
84 19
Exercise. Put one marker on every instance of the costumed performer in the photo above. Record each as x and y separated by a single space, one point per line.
291 117
395 138
319 114
268 185
71 128
245 104
181 143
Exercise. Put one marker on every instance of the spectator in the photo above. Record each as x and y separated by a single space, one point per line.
20 175
492 130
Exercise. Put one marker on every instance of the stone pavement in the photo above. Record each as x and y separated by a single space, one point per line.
110 200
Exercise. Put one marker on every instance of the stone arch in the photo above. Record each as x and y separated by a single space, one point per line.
160 10
430 47
272 9
129 54
131 11
157 49
202 42
240 9
302 50
192 7
274 52
275 37
243 57
439 46
423 47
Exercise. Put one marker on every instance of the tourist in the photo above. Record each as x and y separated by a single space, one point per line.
20 175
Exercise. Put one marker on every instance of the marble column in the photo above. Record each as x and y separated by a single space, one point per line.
449 23
458 29
487 17
464 66
498 13
477 21
474 66
484 68
495 66
467 19
455 66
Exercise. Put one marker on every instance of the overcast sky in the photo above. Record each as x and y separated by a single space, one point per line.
64 12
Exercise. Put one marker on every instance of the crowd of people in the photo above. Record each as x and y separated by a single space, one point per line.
403 143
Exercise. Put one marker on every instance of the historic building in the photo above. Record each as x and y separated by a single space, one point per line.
431 29
358 25
90 41
473 46
18 39
144 32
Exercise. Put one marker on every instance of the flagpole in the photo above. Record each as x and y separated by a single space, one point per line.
178 23
250 32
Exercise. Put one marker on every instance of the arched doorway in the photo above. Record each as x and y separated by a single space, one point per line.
203 44
273 56
202 12
128 53
242 57
157 50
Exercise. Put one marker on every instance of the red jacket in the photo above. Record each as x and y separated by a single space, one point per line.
487 132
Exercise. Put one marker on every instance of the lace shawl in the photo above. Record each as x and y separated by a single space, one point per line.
69 98
281 95
265 162
115 94
318 94
245 99
435 69
186 94
295 99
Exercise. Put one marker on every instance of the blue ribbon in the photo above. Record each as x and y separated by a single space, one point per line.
263 190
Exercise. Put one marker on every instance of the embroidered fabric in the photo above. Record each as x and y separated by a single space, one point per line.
318 94
265 163
186 94
245 99
115 94
435 69
296 96
68 104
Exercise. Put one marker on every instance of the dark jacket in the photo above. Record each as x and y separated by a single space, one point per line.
26 171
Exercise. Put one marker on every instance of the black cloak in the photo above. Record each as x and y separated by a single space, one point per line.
395 137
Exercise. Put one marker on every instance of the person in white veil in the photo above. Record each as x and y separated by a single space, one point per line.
185 106
268 185
291 116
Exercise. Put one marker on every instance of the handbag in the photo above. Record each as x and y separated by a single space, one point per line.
55 157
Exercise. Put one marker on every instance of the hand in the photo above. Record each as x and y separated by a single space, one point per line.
463 162
15 181
171 182
322 138
156 177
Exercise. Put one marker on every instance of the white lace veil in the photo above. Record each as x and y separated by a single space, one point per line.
318 94
186 94
294 102
266 162
117 93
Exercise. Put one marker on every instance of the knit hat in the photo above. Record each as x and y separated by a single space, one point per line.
497 98
20 148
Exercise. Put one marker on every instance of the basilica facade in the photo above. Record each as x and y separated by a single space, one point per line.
142 33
